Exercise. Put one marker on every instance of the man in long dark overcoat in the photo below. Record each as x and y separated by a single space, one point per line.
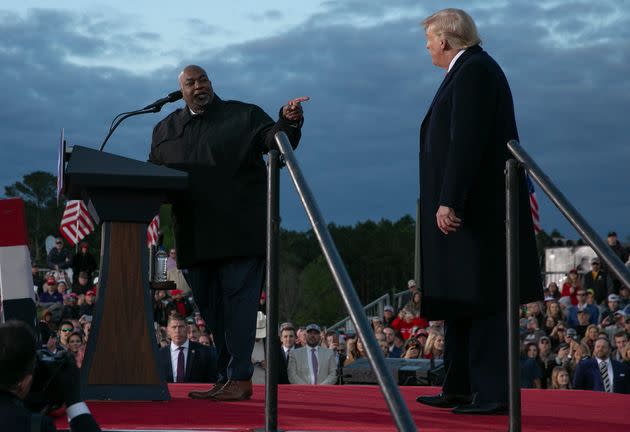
463 152
219 221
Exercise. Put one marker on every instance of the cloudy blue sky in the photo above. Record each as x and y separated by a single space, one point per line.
77 64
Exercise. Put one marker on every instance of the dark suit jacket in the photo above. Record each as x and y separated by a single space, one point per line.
283 377
588 377
222 214
15 417
463 152
201 364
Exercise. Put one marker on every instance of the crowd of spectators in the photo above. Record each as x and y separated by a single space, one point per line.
582 320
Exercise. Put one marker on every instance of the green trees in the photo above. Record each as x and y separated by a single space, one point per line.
378 255
38 190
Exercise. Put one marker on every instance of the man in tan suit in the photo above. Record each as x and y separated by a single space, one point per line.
312 364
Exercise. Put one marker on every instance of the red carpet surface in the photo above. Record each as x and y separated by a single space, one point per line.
358 408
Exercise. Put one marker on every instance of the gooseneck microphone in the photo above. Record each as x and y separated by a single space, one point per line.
172 97
152 108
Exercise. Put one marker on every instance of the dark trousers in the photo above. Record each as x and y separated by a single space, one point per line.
227 292
476 357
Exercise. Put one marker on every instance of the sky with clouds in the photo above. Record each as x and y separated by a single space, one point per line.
75 65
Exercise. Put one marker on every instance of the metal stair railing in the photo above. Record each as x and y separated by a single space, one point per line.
514 168
397 407
372 309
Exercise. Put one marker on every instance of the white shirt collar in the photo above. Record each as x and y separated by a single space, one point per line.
458 55
175 347
602 361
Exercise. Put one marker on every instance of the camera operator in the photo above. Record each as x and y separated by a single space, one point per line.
18 365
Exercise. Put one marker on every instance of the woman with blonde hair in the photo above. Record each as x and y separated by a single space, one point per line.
560 379
579 352
555 311
434 347
590 336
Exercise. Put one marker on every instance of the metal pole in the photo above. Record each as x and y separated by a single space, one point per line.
395 402
273 342
416 262
511 246
573 216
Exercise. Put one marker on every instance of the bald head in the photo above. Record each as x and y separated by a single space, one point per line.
196 88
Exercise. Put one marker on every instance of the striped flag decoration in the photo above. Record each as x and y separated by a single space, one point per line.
75 222
153 231
533 203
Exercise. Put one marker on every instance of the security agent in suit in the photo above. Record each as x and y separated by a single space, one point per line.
184 360
589 374
463 153
312 364
17 363
287 345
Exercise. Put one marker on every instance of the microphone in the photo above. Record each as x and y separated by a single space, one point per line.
172 97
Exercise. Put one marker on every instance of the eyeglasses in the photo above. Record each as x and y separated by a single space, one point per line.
66 330
580 295
545 341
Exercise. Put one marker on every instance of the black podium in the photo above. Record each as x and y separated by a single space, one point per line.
121 358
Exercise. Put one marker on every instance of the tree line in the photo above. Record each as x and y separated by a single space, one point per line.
379 256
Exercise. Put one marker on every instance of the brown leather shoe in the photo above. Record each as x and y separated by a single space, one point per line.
207 394
234 391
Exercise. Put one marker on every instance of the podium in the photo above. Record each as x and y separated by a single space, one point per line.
121 357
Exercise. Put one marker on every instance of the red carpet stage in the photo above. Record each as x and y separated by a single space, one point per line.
358 408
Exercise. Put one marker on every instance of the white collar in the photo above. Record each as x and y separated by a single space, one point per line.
452 63
175 347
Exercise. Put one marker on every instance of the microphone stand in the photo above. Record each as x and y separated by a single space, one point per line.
124 116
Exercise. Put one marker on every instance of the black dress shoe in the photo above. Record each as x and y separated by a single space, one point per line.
444 400
492 408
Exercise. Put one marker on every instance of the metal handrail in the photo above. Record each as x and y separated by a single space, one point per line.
381 302
574 217
512 171
391 392
579 223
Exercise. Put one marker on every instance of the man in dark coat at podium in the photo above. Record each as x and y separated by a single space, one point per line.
219 221
463 153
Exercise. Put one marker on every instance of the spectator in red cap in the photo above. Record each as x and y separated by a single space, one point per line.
180 304
48 282
83 262
50 294
571 286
